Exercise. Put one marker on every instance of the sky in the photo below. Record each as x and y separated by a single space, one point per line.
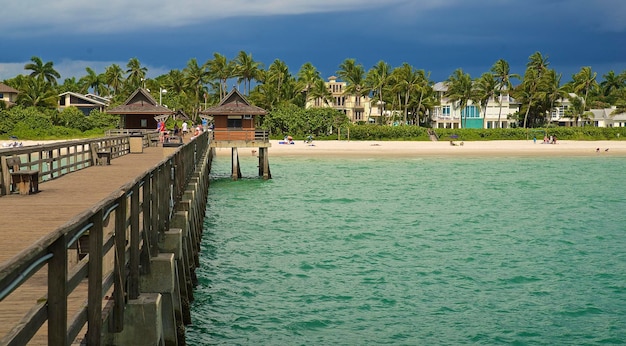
437 36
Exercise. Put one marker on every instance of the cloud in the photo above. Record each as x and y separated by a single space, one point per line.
74 68
121 15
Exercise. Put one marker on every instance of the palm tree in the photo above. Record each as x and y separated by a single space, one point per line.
354 76
502 72
535 68
277 76
36 92
584 81
195 76
406 81
319 90
94 81
576 110
529 89
114 78
612 82
307 77
246 69
553 91
42 71
69 84
460 90
377 79
620 105
220 68
486 88
136 73
538 62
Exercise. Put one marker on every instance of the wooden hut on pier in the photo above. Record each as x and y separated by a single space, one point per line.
234 120
138 112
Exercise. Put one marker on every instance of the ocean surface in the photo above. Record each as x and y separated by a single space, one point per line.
423 251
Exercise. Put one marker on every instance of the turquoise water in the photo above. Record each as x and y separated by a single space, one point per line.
432 251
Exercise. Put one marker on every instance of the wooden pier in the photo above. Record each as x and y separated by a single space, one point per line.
27 219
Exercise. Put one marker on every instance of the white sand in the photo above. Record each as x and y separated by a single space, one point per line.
442 148
425 148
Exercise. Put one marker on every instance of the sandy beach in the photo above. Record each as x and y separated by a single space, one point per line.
443 148
424 148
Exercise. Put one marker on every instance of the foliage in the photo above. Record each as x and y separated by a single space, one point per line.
38 123
295 121
413 133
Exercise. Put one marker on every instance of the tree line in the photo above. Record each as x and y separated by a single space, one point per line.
404 89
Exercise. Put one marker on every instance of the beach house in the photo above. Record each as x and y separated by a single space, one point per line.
8 95
448 115
357 109
85 103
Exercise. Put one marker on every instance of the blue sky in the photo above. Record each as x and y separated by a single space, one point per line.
434 35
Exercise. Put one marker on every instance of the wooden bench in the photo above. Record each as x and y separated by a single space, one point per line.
104 157
26 181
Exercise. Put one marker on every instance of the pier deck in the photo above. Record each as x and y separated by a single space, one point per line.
24 219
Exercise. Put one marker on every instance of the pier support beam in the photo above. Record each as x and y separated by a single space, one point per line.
142 323
162 279
264 164
236 170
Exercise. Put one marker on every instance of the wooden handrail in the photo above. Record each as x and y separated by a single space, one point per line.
151 199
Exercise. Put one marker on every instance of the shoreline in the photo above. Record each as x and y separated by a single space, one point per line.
501 148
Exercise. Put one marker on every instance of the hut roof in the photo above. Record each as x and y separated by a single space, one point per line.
234 104
140 102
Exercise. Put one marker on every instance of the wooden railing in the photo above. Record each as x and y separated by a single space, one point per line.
150 137
122 232
240 135
56 159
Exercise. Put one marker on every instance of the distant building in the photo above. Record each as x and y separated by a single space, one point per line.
606 118
85 103
448 115
8 95
355 108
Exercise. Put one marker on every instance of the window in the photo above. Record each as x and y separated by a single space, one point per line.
234 123
445 111
1 95
470 112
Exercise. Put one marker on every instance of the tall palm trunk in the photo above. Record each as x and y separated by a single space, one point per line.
530 102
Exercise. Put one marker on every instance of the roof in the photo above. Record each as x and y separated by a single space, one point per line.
105 100
87 100
140 102
7 89
607 113
234 104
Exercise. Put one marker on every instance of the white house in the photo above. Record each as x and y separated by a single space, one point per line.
448 115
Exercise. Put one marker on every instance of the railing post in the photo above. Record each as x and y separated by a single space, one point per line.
134 262
94 299
119 273
57 292
147 196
